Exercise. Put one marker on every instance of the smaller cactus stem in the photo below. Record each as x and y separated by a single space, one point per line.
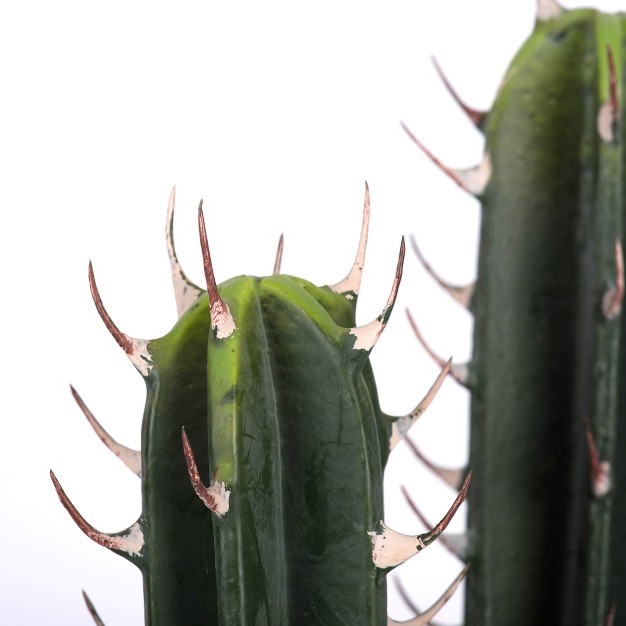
477 117
129 542
461 293
391 548
215 497
456 544
279 254
452 477
351 284
401 426
222 321
423 619
185 291
131 458
600 470
473 180
92 610
367 335
136 349
458 371
613 298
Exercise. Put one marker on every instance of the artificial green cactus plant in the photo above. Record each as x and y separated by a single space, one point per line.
547 513
264 387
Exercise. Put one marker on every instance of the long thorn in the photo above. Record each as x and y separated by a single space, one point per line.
92 610
279 254
221 319
351 284
452 477
131 458
215 497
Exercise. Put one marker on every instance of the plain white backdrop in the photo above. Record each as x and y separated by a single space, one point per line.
275 113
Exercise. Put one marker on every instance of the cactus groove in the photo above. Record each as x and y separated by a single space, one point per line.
547 513
264 390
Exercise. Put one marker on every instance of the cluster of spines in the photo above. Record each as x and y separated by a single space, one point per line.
389 548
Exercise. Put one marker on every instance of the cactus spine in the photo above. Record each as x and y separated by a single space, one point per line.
264 385
547 533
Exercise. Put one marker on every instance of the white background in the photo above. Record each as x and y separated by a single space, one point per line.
275 113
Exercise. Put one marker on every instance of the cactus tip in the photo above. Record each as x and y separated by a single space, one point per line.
221 319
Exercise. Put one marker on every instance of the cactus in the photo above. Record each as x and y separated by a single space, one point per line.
547 512
264 385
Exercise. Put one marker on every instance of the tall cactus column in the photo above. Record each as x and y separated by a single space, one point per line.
546 517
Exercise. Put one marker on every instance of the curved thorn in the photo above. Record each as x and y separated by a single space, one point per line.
186 292
129 541
391 548
216 497
279 254
221 319
548 9
92 610
461 293
423 619
600 470
456 544
136 349
131 458
367 335
400 427
473 180
458 371
476 116
452 477
613 298
608 113
351 284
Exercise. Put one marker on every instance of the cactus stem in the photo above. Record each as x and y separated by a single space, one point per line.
351 284
185 291
131 458
401 426
548 10
423 619
279 254
216 497
136 349
473 180
92 610
461 293
367 335
391 548
452 477
221 319
456 544
130 541
476 116
458 371
600 470
613 298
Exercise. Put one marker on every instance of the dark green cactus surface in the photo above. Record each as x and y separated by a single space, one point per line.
547 513
263 389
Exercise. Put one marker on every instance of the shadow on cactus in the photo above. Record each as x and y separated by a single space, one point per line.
548 422
264 391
